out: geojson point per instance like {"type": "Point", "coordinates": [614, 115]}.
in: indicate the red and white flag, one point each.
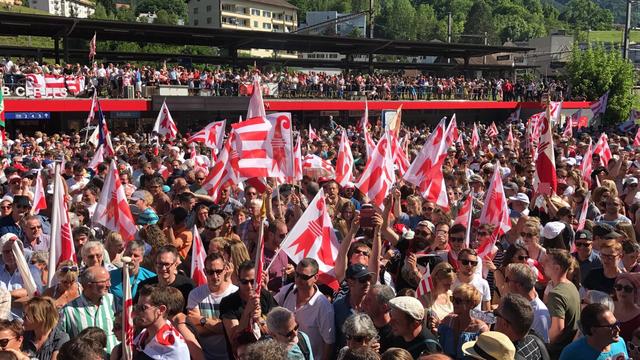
{"type": "Point", "coordinates": [400, 158]}
{"type": "Point", "coordinates": [316, 167]}
{"type": "Point", "coordinates": [344, 163]}
{"type": "Point", "coordinates": [127, 315]}
{"type": "Point", "coordinates": [545, 180]}
{"type": "Point", "coordinates": [297, 163]}
{"type": "Point", "coordinates": [256, 104]}
{"type": "Point", "coordinates": [510, 138]}
{"type": "Point", "coordinates": [313, 237]}
{"type": "Point", "coordinates": [363, 124]}
{"type": "Point", "coordinates": [568, 128]}
{"type": "Point", "coordinates": [475, 138]}
{"type": "Point", "coordinates": [425, 285]}
{"type": "Point", "coordinates": [555, 110]}
{"type": "Point", "coordinates": [426, 170]}
{"type": "Point", "coordinates": [113, 210]}
{"type": "Point", "coordinates": [39, 200]}
{"type": "Point", "coordinates": [492, 131]}
{"type": "Point", "coordinates": [465, 211]}
{"type": "Point", "coordinates": [369, 143]}
{"type": "Point", "coordinates": [61, 247]}
{"type": "Point", "coordinates": [197, 259]}
{"type": "Point", "coordinates": [164, 123]}
{"type": "Point", "coordinates": [586, 167]}
{"type": "Point", "coordinates": [378, 175]}
{"type": "Point", "coordinates": [312, 134]}
{"type": "Point", "coordinates": [92, 47]}
{"type": "Point", "coordinates": [602, 149]}
{"type": "Point", "coordinates": [600, 106]}
{"type": "Point", "coordinates": [250, 141]}
{"type": "Point", "coordinates": [280, 145]}
{"type": "Point", "coordinates": [94, 104]}
{"type": "Point", "coordinates": [223, 173]}
{"type": "Point", "coordinates": [452, 131]}
{"type": "Point", "coordinates": [495, 211]}
{"type": "Point", "coordinates": [583, 212]}
{"type": "Point", "coordinates": [636, 140]}
{"type": "Point", "coordinates": [211, 135]}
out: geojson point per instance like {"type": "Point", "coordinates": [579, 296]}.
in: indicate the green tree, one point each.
{"type": "Point", "coordinates": [586, 15]}
{"type": "Point", "coordinates": [397, 20]}
{"type": "Point", "coordinates": [163, 17]}
{"type": "Point", "coordinates": [427, 25]}
{"type": "Point", "coordinates": [177, 8]}
{"type": "Point", "coordinates": [100, 13]}
{"type": "Point", "coordinates": [594, 71]}
{"type": "Point", "coordinates": [480, 21]}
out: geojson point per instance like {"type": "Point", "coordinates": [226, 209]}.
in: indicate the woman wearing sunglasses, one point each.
{"type": "Point", "coordinates": [360, 332]}
{"type": "Point", "coordinates": [438, 301]}
{"type": "Point", "coordinates": [42, 336]}
{"type": "Point", "coordinates": [67, 288]}
{"type": "Point", "coordinates": [627, 303]}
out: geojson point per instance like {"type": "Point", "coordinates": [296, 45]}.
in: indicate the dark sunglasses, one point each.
{"type": "Point", "coordinates": [359, 338]}
{"type": "Point", "coordinates": [65, 269]}
{"type": "Point", "coordinates": [583, 244]}
{"type": "Point", "coordinates": [456, 238]}
{"type": "Point", "coordinates": [627, 288]}
{"type": "Point", "coordinates": [291, 333]}
{"type": "Point", "coordinates": [613, 326]}
{"type": "Point", "coordinates": [525, 234]}
{"type": "Point", "coordinates": [200, 179]}
{"type": "Point", "coordinates": [246, 281]}
{"type": "Point", "coordinates": [482, 233]}
{"type": "Point", "coordinates": [5, 342]}
{"type": "Point", "coordinates": [427, 209]}
{"type": "Point", "coordinates": [466, 262]}
{"type": "Point", "coordinates": [304, 276]}
{"type": "Point", "coordinates": [5, 207]}
{"type": "Point", "coordinates": [218, 272]}
{"type": "Point", "coordinates": [361, 252]}
{"type": "Point", "coordinates": [523, 257]}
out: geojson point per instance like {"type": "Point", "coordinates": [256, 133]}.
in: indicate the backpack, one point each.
{"type": "Point", "coordinates": [304, 347]}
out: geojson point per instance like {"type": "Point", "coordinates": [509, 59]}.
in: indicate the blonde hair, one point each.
{"type": "Point", "coordinates": [70, 276]}
{"type": "Point", "coordinates": [42, 311]}
{"type": "Point", "coordinates": [468, 293]}
{"type": "Point", "coordinates": [113, 237]}
{"type": "Point", "coordinates": [533, 223]}
{"type": "Point", "coordinates": [611, 186]}
{"type": "Point", "coordinates": [438, 273]}
{"type": "Point", "coordinates": [238, 254]}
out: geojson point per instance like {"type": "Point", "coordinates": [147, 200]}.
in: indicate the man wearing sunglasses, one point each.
{"type": "Point", "coordinates": [10, 223]}
{"type": "Point", "coordinates": [284, 329]}
{"type": "Point", "coordinates": [468, 261]}
{"type": "Point", "coordinates": [36, 239]}
{"type": "Point", "coordinates": [602, 336]}
{"type": "Point", "coordinates": [203, 306]}
{"type": "Point", "coordinates": [166, 263]}
{"type": "Point", "coordinates": [584, 254]}
{"type": "Point", "coordinates": [313, 311]}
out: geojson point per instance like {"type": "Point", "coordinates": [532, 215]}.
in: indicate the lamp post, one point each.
{"type": "Point", "coordinates": [627, 30]}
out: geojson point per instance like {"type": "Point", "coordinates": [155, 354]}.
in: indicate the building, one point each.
{"type": "Point", "coordinates": [68, 8]}
{"type": "Point", "coordinates": [333, 23]}
{"type": "Point", "coordinates": [551, 53]}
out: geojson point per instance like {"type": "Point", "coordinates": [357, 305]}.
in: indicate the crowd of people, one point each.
{"type": "Point", "coordinates": [546, 292]}
{"type": "Point", "coordinates": [114, 80]}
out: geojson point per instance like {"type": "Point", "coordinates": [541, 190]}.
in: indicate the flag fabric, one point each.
{"type": "Point", "coordinates": [312, 134]}
{"type": "Point", "coordinates": [104, 136]}
{"type": "Point", "coordinates": [555, 110]}
{"type": "Point", "coordinates": [475, 138]}
{"type": "Point", "coordinates": [2, 120]}
{"type": "Point", "coordinates": [369, 143]}
{"type": "Point", "coordinates": [602, 149]}
{"type": "Point", "coordinates": [492, 131]}
{"type": "Point", "coordinates": [223, 172]}
{"type": "Point", "coordinates": [636, 140]}
{"type": "Point", "coordinates": [578, 120]}
{"type": "Point", "coordinates": [280, 145]}
{"type": "Point", "coordinates": [259, 256]}
{"type": "Point", "coordinates": [378, 175]}
{"type": "Point", "coordinates": [297, 162]}
{"type": "Point", "coordinates": [92, 111]}
{"type": "Point", "coordinates": [465, 211]}
{"type": "Point", "coordinates": [256, 104]}
{"type": "Point", "coordinates": [568, 128]}
{"type": "Point", "coordinates": [75, 84]}
{"type": "Point", "coordinates": [452, 131]}
{"type": "Point", "coordinates": [211, 135]}
{"type": "Point", "coordinates": [583, 212]}
{"type": "Point", "coordinates": [250, 141]}
{"type": "Point", "coordinates": [313, 236]}
{"type": "Point", "coordinates": [545, 180]}
{"type": "Point", "coordinates": [113, 210]}
{"type": "Point", "coordinates": [400, 158]}
{"type": "Point", "coordinates": [495, 212]}
{"type": "Point", "coordinates": [28, 282]}
{"type": "Point", "coordinates": [344, 163]}
{"type": "Point", "coordinates": [587, 164]}
{"type": "Point", "coordinates": [426, 284]}
{"type": "Point", "coordinates": [164, 124]}
{"type": "Point", "coordinates": [316, 167]}
{"type": "Point", "coordinates": [61, 247]}
{"type": "Point", "coordinates": [510, 138]}
{"type": "Point", "coordinates": [600, 106]}
{"type": "Point", "coordinates": [514, 116]}
{"type": "Point", "coordinates": [363, 124]}
{"type": "Point", "coordinates": [395, 123]}
{"type": "Point", "coordinates": [39, 197]}
{"type": "Point", "coordinates": [92, 47]}
{"type": "Point", "coordinates": [127, 314]}
{"type": "Point", "coordinates": [197, 259]}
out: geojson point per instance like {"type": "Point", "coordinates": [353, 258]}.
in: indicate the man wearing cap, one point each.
{"type": "Point", "coordinates": [490, 345]}
{"type": "Point", "coordinates": [477, 186]}
{"type": "Point", "coordinates": [584, 254]}
{"type": "Point", "coordinates": [10, 277]}
{"type": "Point", "coordinates": [407, 315]}
{"type": "Point", "coordinates": [143, 200]}
{"type": "Point", "coordinates": [519, 205]}
{"type": "Point", "coordinates": [358, 278]}
{"type": "Point", "coordinates": [9, 224]}
{"type": "Point", "coordinates": [603, 232]}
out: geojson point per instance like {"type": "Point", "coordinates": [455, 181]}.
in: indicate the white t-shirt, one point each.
{"type": "Point", "coordinates": [541, 319]}
{"type": "Point", "coordinates": [480, 284]}
{"type": "Point", "coordinates": [214, 346]}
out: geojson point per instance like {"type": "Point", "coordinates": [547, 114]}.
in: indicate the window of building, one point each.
{"type": "Point", "coordinates": [255, 12]}
{"type": "Point", "coordinates": [195, 11]}
{"type": "Point", "coordinates": [255, 24]}
{"type": "Point", "coordinates": [266, 13]}
{"type": "Point", "coordinates": [208, 8]}
{"type": "Point", "coordinates": [208, 20]}
{"type": "Point", "coordinates": [266, 26]}
{"type": "Point", "coordinates": [195, 22]}
{"type": "Point", "coordinates": [288, 17]}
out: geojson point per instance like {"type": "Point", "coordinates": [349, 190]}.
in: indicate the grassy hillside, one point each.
{"type": "Point", "coordinates": [612, 36]}
{"type": "Point", "coordinates": [22, 10]}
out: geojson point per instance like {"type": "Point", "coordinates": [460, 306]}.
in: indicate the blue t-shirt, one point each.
{"type": "Point", "coordinates": [116, 283]}
{"type": "Point", "coordinates": [580, 349]}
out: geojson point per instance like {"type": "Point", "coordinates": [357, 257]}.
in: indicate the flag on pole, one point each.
{"type": "Point", "coordinates": [344, 164]}
{"type": "Point", "coordinates": [378, 175]}
{"type": "Point", "coordinates": [92, 47]}
{"type": "Point", "coordinates": [545, 180]}
{"type": "Point", "coordinates": [492, 131]}
{"type": "Point", "coordinates": [364, 120]}
{"type": "Point", "coordinates": [568, 128]}
{"type": "Point", "coordinates": [582, 220]}
{"type": "Point", "coordinates": [92, 111]}
{"type": "Point", "coordinates": [465, 216]}
{"type": "Point", "coordinates": [602, 149]}
{"type": "Point", "coordinates": [280, 145]}
{"type": "Point", "coordinates": [600, 106]}
{"type": "Point", "coordinates": [39, 200]}
{"type": "Point", "coordinates": [475, 138]}
{"type": "Point", "coordinates": [312, 134]}
{"type": "Point", "coordinates": [555, 110]}
{"type": "Point", "coordinates": [495, 211]}
{"type": "Point", "coordinates": [211, 135]}
{"type": "Point", "coordinates": [61, 247]}
{"type": "Point", "coordinates": [197, 259]}
{"type": "Point", "coordinates": [426, 284]}
{"type": "Point", "coordinates": [297, 162]}
{"type": "Point", "coordinates": [256, 104]}
{"type": "Point", "coordinates": [127, 311]}
{"type": "Point", "coordinates": [113, 210]}
{"type": "Point", "coordinates": [510, 138]}
{"type": "Point", "coordinates": [452, 131]}
{"type": "Point", "coordinates": [104, 136]}
{"type": "Point", "coordinates": [164, 124]}
{"type": "Point", "coordinates": [587, 164]}
{"type": "Point", "coordinates": [223, 172]}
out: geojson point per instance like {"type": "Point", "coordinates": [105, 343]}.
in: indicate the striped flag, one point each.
{"type": "Point", "coordinates": [39, 200]}
{"type": "Point", "coordinates": [492, 131]}
{"type": "Point", "coordinates": [568, 128]}
{"type": "Point", "coordinates": [378, 176]}
{"type": "Point", "coordinates": [344, 164]}
{"type": "Point", "coordinates": [312, 134]}
{"type": "Point", "coordinates": [475, 138]}
{"type": "Point", "coordinates": [250, 141]}
{"type": "Point", "coordinates": [223, 172]}
{"type": "Point", "coordinates": [587, 164]}
{"type": "Point", "coordinates": [603, 150]}
{"type": "Point", "coordinates": [197, 259]}
{"type": "Point", "coordinates": [426, 284]}
{"type": "Point", "coordinates": [600, 106]}
{"type": "Point", "coordinates": [495, 211]}
{"type": "Point", "coordinates": [314, 166]}
{"type": "Point", "coordinates": [61, 247]}
{"type": "Point", "coordinates": [92, 47]}
{"type": "Point", "coordinates": [211, 135]}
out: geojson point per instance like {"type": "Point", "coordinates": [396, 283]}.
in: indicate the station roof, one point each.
{"type": "Point", "coordinates": [13, 24]}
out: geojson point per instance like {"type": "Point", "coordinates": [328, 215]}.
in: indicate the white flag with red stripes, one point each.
{"type": "Point", "coordinates": [61, 247]}
{"type": "Point", "coordinates": [544, 180]}
{"type": "Point", "coordinates": [344, 163]}
{"type": "Point", "coordinates": [250, 141]}
{"type": "Point", "coordinates": [586, 167]}
{"type": "Point", "coordinates": [555, 110]}
{"type": "Point", "coordinates": [452, 131]}
{"type": "Point", "coordinates": [197, 259]}
{"type": "Point", "coordinates": [313, 236]}
{"type": "Point", "coordinates": [465, 217]}
{"type": "Point", "coordinates": [92, 47]}
{"type": "Point", "coordinates": [400, 158]}
{"type": "Point", "coordinates": [492, 131]}
{"type": "Point", "coordinates": [113, 210]}
{"type": "Point", "coordinates": [297, 162]}
{"type": "Point", "coordinates": [369, 143]}
{"type": "Point", "coordinates": [600, 106]}
{"type": "Point", "coordinates": [378, 175]}
{"type": "Point", "coordinates": [223, 172]}
{"type": "Point", "coordinates": [316, 167]}
{"type": "Point", "coordinates": [475, 138]}
{"type": "Point", "coordinates": [211, 135]}
{"type": "Point", "coordinates": [426, 284]}
{"type": "Point", "coordinates": [256, 104]}
{"type": "Point", "coordinates": [602, 149]}
{"type": "Point", "coordinates": [164, 124]}
{"type": "Point", "coordinates": [39, 200]}
{"type": "Point", "coordinates": [280, 145]}
{"type": "Point", "coordinates": [312, 134]}
{"type": "Point", "coordinates": [495, 212]}
{"type": "Point", "coordinates": [568, 128]}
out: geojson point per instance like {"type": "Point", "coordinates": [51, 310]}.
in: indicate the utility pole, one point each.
{"type": "Point", "coordinates": [370, 19]}
{"type": "Point", "coordinates": [449, 30]}
{"type": "Point", "coordinates": [627, 29]}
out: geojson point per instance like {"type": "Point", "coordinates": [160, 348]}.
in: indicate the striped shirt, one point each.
{"type": "Point", "coordinates": [80, 314]}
